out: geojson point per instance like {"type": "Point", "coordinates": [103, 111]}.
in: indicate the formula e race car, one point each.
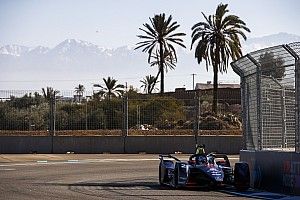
{"type": "Point", "coordinates": [201, 170]}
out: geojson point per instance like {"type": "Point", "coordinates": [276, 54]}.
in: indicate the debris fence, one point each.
{"type": "Point", "coordinates": [270, 97]}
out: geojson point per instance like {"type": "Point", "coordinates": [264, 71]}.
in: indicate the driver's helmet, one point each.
{"type": "Point", "coordinates": [200, 149]}
{"type": "Point", "coordinates": [202, 160]}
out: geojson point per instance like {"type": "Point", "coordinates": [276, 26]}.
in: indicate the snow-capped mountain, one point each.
{"type": "Point", "coordinates": [39, 50]}
{"type": "Point", "coordinates": [75, 61]}
{"type": "Point", "coordinates": [257, 43]}
{"type": "Point", "coordinates": [14, 50]}
{"type": "Point", "coordinates": [70, 59]}
{"type": "Point", "coordinates": [72, 46]}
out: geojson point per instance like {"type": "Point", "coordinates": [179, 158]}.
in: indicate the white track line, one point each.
{"type": "Point", "coordinates": [42, 161]}
{"type": "Point", "coordinates": [45, 162]}
{"type": "Point", "coordinates": [262, 195]}
{"type": "Point", "coordinates": [7, 169]}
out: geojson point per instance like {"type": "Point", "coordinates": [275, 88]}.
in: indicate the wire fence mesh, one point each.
{"type": "Point", "coordinates": [269, 94]}
{"type": "Point", "coordinates": [31, 113]}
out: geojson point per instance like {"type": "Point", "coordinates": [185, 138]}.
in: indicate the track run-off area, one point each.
{"type": "Point", "coordinates": [100, 176]}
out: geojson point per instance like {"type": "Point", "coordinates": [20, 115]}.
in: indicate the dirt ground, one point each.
{"type": "Point", "coordinates": [119, 132]}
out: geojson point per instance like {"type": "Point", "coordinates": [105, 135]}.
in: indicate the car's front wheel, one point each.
{"type": "Point", "coordinates": [160, 176]}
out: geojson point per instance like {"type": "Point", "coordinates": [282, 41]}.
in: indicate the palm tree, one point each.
{"type": "Point", "coordinates": [111, 88]}
{"type": "Point", "coordinates": [49, 93]}
{"type": "Point", "coordinates": [79, 91]}
{"type": "Point", "coordinates": [149, 84]}
{"type": "Point", "coordinates": [160, 37]}
{"type": "Point", "coordinates": [217, 41]}
{"type": "Point", "coordinates": [169, 60]}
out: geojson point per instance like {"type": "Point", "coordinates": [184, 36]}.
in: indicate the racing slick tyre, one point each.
{"type": "Point", "coordinates": [160, 178]}
{"type": "Point", "coordinates": [175, 178]}
{"type": "Point", "coordinates": [163, 172]}
{"type": "Point", "coordinates": [241, 176]}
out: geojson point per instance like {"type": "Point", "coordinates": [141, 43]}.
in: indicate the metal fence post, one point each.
{"type": "Point", "coordinates": [52, 115]}
{"type": "Point", "coordinates": [297, 98]}
{"type": "Point", "coordinates": [86, 114]}
{"type": "Point", "coordinates": [125, 121]}
{"type": "Point", "coordinates": [197, 105]}
{"type": "Point", "coordinates": [52, 120]}
{"type": "Point", "coordinates": [244, 104]}
{"type": "Point", "coordinates": [258, 106]}
{"type": "Point", "coordinates": [259, 111]}
{"type": "Point", "coordinates": [297, 93]}
{"type": "Point", "coordinates": [244, 114]}
{"type": "Point", "coordinates": [283, 113]}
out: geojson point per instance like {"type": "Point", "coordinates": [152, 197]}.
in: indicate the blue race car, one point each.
{"type": "Point", "coordinates": [203, 171]}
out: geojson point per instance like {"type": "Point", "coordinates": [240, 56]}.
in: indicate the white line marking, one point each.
{"type": "Point", "coordinates": [72, 161]}
{"type": "Point", "coordinates": [19, 164]}
{"type": "Point", "coordinates": [42, 161]}
{"type": "Point", "coordinates": [260, 195]}
{"type": "Point", "coordinates": [38, 163]}
{"type": "Point", "coordinates": [7, 169]}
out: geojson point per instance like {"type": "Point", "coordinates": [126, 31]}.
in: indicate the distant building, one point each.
{"type": "Point", "coordinates": [188, 96]}
{"type": "Point", "coordinates": [209, 85]}
{"type": "Point", "coordinates": [227, 93]}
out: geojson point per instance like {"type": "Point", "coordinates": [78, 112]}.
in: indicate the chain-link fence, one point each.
{"type": "Point", "coordinates": [269, 78]}
{"type": "Point", "coordinates": [71, 113]}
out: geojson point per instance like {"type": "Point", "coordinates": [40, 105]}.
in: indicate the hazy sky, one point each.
{"type": "Point", "coordinates": [114, 23]}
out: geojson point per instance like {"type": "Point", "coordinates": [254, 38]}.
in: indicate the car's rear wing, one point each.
{"type": "Point", "coordinates": [223, 156]}
{"type": "Point", "coordinates": [162, 156]}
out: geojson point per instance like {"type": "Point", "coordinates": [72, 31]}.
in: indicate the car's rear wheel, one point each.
{"type": "Point", "coordinates": [241, 176]}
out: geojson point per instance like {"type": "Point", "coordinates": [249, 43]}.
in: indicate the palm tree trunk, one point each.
{"type": "Point", "coordinates": [153, 85]}
{"type": "Point", "coordinates": [161, 68]}
{"type": "Point", "coordinates": [215, 91]}
{"type": "Point", "coordinates": [109, 95]}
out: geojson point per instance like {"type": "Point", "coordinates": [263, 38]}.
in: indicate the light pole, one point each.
{"type": "Point", "coordinates": [193, 80]}
{"type": "Point", "coordinates": [86, 113]}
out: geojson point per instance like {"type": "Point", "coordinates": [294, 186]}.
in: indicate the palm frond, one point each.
{"type": "Point", "coordinates": [160, 33]}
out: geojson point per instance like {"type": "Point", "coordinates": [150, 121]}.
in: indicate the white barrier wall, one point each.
{"type": "Point", "coordinates": [274, 171]}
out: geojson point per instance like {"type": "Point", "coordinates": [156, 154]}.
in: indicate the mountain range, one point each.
{"type": "Point", "coordinates": [74, 62]}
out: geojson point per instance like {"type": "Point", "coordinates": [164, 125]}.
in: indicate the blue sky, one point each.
{"type": "Point", "coordinates": [115, 23]}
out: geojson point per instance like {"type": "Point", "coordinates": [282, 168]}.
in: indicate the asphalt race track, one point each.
{"type": "Point", "coordinates": [101, 176]}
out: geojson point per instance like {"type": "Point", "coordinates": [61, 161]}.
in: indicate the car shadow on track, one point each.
{"type": "Point", "coordinates": [123, 184]}
{"type": "Point", "coordinates": [135, 188]}
{"type": "Point", "coordinates": [138, 190]}
{"type": "Point", "coordinates": [135, 184]}
{"type": "Point", "coordinates": [121, 188]}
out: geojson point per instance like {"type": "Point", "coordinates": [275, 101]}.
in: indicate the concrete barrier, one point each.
{"type": "Point", "coordinates": [185, 144]}
{"type": "Point", "coordinates": [25, 144]}
{"type": "Point", "coordinates": [117, 144]}
{"type": "Point", "coordinates": [89, 144]}
{"type": "Point", "coordinates": [274, 171]}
